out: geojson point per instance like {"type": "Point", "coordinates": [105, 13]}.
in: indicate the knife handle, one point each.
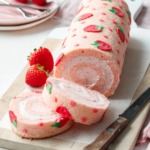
{"type": "Point", "coordinates": [108, 135]}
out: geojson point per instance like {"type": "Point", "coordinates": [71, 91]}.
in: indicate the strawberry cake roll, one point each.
{"type": "Point", "coordinates": [93, 52]}
{"type": "Point", "coordinates": [74, 101]}
{"type": "Point", "coordinates": [31, 118]}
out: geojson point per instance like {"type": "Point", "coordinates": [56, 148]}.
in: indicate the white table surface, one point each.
{"type": "Point", "coordinates": [15, 46]}
{"type": "Point", "coordinates": [14, 49]}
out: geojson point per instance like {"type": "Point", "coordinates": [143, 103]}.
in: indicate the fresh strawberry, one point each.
{"type": "Point", "coordinates": [102, 45]}
{"type": "Point", "coordinates": [85, 16]}
{"type": "Point", "coordinates": [120, 33]}
{"type": "Point", "coordinates": [36, 76]}
{"type": "Point", "coordinates": [43, 57]}
{"type": "Point", "coordinates": [39, 2]}
{"type": "Point", "coordinates": [117, 11]}
{"type": "Point", "coordinates": [13, 118]}
{"type": "Point", "coordinates": [22, 1]}
{"type": "Point", "coordinates": [93, 28]}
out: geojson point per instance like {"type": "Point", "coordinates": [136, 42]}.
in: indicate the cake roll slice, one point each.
{"type": "Point", "coordinates": [75, 101]}
{"type": "Point", "coordinates": [31, 118]}
{"type": "Point", "coordinates": [93, 52]}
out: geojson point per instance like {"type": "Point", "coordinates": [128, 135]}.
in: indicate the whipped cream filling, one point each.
{"type": "Point", "coordinates": [32, 108]}
{"type": "Point", "coordinates": [87, 72]}
{"type": "Point", "coordinates": [88, 75]}
{"type": "Point", "coordinates": [79, 93]}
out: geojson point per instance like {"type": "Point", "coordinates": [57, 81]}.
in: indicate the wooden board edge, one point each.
{"type": "Point", "coordinates": [54, 143]}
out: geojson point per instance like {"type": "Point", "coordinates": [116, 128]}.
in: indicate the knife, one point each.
{"type": "Point", "coordinates": [103, 141]}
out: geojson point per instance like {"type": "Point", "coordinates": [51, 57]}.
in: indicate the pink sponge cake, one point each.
{"type": "Point", "coordinates": [31, 118]}
{"type": "Point", "coordinates": [93, 52]}
{"type": "Point", "coordinates": [77, 102]}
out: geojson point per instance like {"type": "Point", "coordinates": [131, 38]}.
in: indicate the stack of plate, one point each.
{"type": "Point", "coordinates": [13, 19]}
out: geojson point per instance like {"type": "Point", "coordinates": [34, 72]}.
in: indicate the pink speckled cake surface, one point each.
{"type": "Point", "coordinates": [93, 51]}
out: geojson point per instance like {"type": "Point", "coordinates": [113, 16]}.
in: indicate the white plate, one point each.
{"type": "Point", "coordinates": [12, 16]}
{"type": "Point", "coordinates": [28, 25]}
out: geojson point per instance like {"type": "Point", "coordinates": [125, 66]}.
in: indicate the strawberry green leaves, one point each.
{"type": "Point", "coordinates": [60, 123]}
{"type": "Point", "coordinates": [113, 10]}
{"type": "Point", "coordinates": [128, 12]}
{"type": "Point", "coordinates": [56, 124]}
{"type": "Point", "coordinates": [120, 29]}
{"type": "Point", "coordinates": [129, 15]}
{"type": "Point", "coordinates": [120, 33]}
{"type": "Point", "coordinates": [101, 45]}
{"type": "Point", "coordinates": [49, 87]}
{"type": "Point", "coordinates": [117, 11]}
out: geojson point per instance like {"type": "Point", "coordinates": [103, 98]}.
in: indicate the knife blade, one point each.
{"type": "Point", "coordinates": [103, 141]}
{"type": "Point", "coordinates": [136, 106]}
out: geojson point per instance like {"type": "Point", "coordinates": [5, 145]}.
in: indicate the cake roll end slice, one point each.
{"type": "Point", "coordinates": [31, 118]}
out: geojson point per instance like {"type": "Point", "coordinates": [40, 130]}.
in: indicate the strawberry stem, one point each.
{"type": "Point", "coordinates": [40, 67]}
